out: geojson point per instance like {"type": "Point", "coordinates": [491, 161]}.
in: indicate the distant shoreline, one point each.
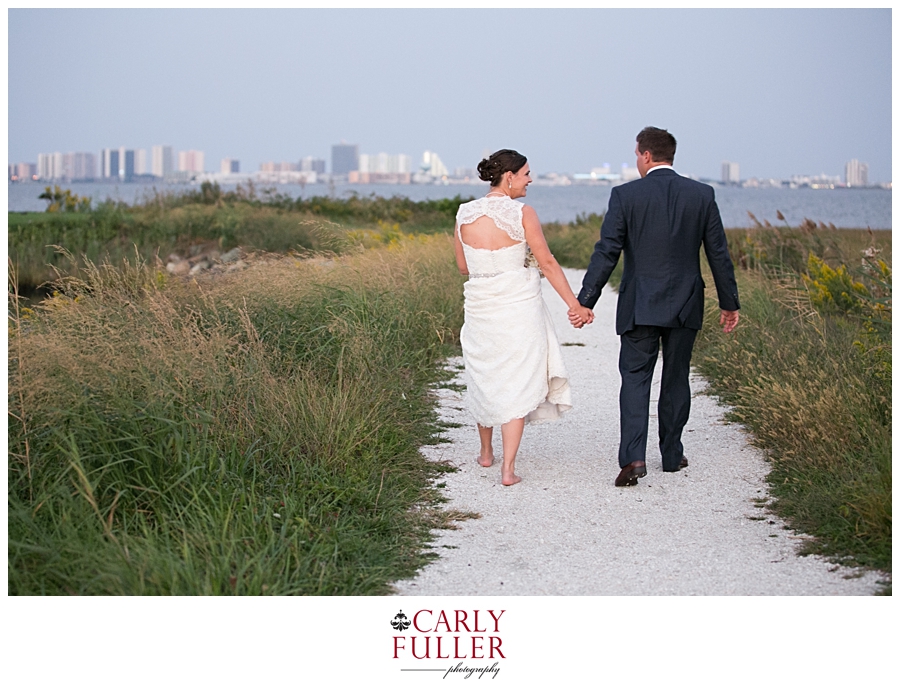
{"type": "Point", "coordinates": [861, 208]}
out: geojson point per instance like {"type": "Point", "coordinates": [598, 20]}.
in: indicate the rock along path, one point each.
{"type": "Point", "coordinates": [566, 530]}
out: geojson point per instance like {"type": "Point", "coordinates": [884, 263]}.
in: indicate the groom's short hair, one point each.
{"type": "Point", "coordinates": [659, 142]}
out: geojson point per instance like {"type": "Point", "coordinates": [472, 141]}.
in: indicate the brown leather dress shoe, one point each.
{"type": "Point", "coordinates": [630, 474]}
{"type": "Point", "coordinates": [683, 464]}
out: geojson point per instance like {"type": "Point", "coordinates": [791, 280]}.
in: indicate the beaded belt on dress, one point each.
{"type": "Point", "coordinates": [483, 275]}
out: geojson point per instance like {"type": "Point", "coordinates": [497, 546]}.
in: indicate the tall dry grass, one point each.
{"type": "Point", "coordinates": [254, 219]}
{"type": "Point", "coordinates": [255, 432]}
{"type": "Point", "coordinates": [808, 371]}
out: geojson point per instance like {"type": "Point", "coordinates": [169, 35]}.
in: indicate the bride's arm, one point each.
{"type": "Point", "coordinates": [534, 236]}
{"type": "Point", "coordinates": [460, 254]}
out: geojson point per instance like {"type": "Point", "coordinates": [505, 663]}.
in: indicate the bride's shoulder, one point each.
{"type": "Point", "coordinates": [470, 209]}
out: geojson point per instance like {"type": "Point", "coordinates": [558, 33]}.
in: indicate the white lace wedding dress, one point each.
{"type": "Point", "coordinates": [513, 361]}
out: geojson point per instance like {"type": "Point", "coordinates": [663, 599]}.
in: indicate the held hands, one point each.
{"type": "Point", "coordinates": [579, 316]}
{"type": "Point", "coordinates": [729, 320]}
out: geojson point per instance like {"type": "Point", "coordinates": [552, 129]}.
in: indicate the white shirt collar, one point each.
{"type": "Point", "coordinates": [661, 166]}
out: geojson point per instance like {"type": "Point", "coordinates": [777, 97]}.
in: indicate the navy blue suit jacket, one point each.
{"type": "Point", "coordinates": [660, 222]}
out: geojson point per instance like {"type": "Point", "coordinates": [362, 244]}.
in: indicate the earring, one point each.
{"type": "Point", "coordinates": [510, 185]}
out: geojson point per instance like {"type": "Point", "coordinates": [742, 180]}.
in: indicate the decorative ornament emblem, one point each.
{"type": "Point", "coordinates": [400, 622]}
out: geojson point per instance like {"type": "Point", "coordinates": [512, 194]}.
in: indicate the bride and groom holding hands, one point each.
{"type": "Point", "coordinates": [513, 362]}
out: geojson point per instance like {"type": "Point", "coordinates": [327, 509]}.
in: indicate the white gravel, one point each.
{"type": "Point", "coordinates": [566, 530]}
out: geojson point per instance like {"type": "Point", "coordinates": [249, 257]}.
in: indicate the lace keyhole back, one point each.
{"type": "Point", "coordinates": [483, 233]}
{"type": "Point", "coordinates": [506, 215]}
{"type": "Point", "coordinates": [503, 211]}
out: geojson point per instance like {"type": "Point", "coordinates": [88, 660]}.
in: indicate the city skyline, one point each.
{"type": "Point", "coordinates": [357, 167]}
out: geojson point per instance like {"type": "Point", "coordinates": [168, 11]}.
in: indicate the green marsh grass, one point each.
{"type": "Point", "coordinates": [252, 433]}
{"type": "Point", "coordinates": [163, 223]}
{"type": "Point", "coordinates": [808, 371]}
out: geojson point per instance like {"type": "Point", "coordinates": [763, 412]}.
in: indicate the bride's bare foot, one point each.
{"type": "Point", "coordinates": [486, 460]}
{"type": "Point", "coordinates": [508, 478]}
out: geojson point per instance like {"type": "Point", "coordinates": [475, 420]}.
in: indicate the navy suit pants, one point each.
{"type": "Point", "coordinates": [637, 359]}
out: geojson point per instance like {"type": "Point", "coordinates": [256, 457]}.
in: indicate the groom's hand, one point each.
{"type": "Point", "coordinates": [729, 320]}
{"type": "Point", "coordinates": [580, 315]}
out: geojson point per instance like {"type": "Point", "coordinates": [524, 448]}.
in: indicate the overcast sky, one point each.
{"type": "Point", "coordinates": [781, 92]}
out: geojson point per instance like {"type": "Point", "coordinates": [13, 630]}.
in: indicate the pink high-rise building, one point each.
{"type": "Point", "coordinates": [191, 161]}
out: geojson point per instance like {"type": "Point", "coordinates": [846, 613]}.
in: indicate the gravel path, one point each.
{"type": "Point", "coordinates": [566, 530]}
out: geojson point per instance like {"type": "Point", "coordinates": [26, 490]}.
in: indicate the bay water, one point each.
{"type": "Point", "coordinates": [844, 207]}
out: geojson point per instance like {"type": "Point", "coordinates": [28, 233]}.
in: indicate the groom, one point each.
{"type": "Point", "coordinates": [660, 222]}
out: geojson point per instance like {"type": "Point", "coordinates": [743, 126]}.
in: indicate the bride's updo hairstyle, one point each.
{"type": "Point", "coordinates": [493, 168]}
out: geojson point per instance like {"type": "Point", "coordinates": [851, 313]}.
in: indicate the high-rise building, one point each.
{"type": "Point", "coordinates": [68, 166]}
{"type": "Point", "coordinates": [344, 159]}
{"type": "Point", "coordinates": [45, 170]}
{"type": "Point", "coordinates": [109, 164]}
{"type": "Point", "coordinates": [382, 168]}
{"type": "Point", "coordinates": [385, 163]}
{"type": "Point", "coordinates": [126, 164]}
{"type": "Point", "coordinates": [90, 165]}
{"type": "Point", "coordinates": [190, 161]}
{"type": "Point", "coordinates": [79, 166]}
{"type": "Point", "coordinates": [59, 167]}
{"type": "Point", "coordinates": [398, 163]}
{"type": "Point", "coordinates": [433, 166]}
{"type": "Point", "coordinates": [856, 173]}
{"type": "Point", "coordinates": [402, 163]}
{"type": "Point", "coordinates": [140, 162]}
{"type": "Point", "coordinates": [161, 162]}
{"type": "Point", "coordinates": [277, 167]}
{"type": "Point", "coordinates": [48, 167]}
{"type": "Point", "coordinates": [731, 172]}
{"type": "Point", "coordinates": [312, 164]}
{"type": "Point", "coordinates": [230, 166]}
{"type": "Point", "coordinates": [23, 171]}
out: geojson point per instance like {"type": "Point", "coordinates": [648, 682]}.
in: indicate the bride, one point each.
{"type": "Point", "coordinates": [513, 363]}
